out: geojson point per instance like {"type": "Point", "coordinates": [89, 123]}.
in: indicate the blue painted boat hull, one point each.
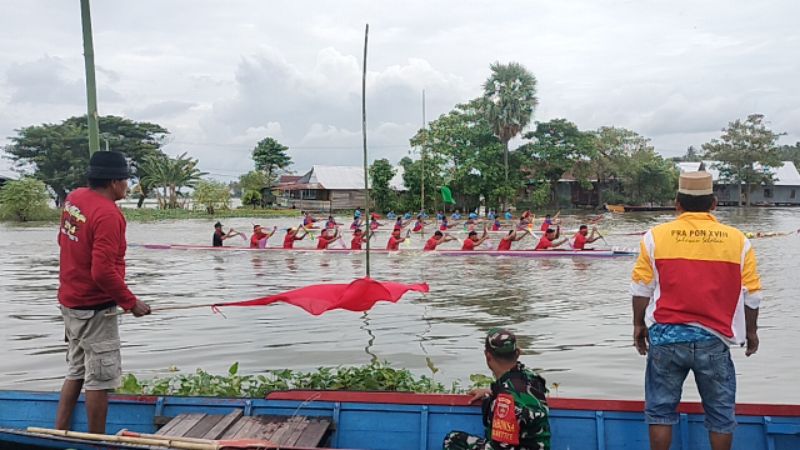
{"type": "Point", "coordinates": [409, 421]}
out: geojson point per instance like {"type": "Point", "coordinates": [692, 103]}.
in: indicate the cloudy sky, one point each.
{"type": "Point", "coordinates": [220, 75]}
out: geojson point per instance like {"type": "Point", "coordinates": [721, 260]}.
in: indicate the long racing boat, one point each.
{"type": "Point", "coordinates": [597, 253]}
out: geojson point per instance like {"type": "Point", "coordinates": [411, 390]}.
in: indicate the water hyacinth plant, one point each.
{"type": "Point", "coordinates": [376, 376]}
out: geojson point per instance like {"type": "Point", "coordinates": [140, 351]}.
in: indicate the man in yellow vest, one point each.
{"type": "Point", "coordinates": [696, 291]}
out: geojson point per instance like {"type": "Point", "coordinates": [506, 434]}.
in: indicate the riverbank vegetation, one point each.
{"type": "Point", "coordinates": [376, 376]}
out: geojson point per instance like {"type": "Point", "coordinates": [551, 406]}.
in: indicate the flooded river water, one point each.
{"type": "Point", "coordinates": [572, 315]}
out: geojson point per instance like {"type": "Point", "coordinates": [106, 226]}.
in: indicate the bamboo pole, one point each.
{"type": "Point", "coordinates": [364, 136]}
{"type": "Point", "coordinates": [91, 83]}
{"type": "Point", "coordinates": [210, 445]}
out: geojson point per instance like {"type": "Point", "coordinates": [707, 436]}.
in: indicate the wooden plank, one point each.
{"type": "Point", "coordinates": [249, 426]}
{"type": "Point", "coordinates": [184, 424]}
{"type": "Point", "coordinates": [234, 429]}
{"type": "Point", "coordinates": [204, 425]}
{"type": "Point", "coordinates": [167, 428]}
{"type": "Point", "coordinates": [223, 425]}
{"type": "Point", "coordinates": [295, 432]}
{"type": "Point", "coordinates": [314, 434]}
{"type": "Point", "coordinates": [283, 435]}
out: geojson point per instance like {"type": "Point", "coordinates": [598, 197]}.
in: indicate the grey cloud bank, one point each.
{"type": "Point", "coordinates": [221, 76]}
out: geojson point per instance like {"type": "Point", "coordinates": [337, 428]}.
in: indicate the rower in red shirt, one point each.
{"type": "Point", "coordinates": [419, 225]}
{"type": "Point", "coordinates": [496, 224]}
{"type": "Point", "coordinates": [444, 226]}
{"type": "Point", "coordinates": [291, 236]}
{"type": "Point", "coordinates": [437, 239]}
{"type": "Point", "coordinates": [582, 237]}
{"type": "Point", "coordinates": [549, 222]}
{"type": "Point", "coordinates": [325, 239]}
{"type": "Point", "coordinates": [512, 236]}
{"type": "Point", "coordinates": [395, 240]}
{"type": "Point", "coordinates": [473, 240]}
{"type": "Point", "coordinates": [359, 238]}
{"type": "Point", "coordinates": [259, 238]}
{"type": "Point", "coordinates": [550, 239]}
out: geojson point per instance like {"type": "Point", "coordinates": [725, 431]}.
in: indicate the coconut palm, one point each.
{"type": "Point", "coordinates": [509, 97]}
{"type": "Point", "coordinates": [166, 176]}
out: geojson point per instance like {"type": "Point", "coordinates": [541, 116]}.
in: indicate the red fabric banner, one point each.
{"type": "Point", "coordinates": [359, 295]}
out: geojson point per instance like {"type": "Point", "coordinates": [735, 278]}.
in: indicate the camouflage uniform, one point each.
{"type": "Point", "coordinates": [528, 391]}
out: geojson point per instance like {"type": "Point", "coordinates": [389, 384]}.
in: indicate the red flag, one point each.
{"type": "Point", "coordinates": [360, 295]}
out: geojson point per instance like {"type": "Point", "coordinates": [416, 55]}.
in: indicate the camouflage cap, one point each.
{"type": "Point", "coordinates": [501, 341]}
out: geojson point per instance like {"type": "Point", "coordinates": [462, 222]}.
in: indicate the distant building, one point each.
{"type": "Point", "coordinates": [329, 188]}
{"type": "Point", "coordinates": [784, 191]}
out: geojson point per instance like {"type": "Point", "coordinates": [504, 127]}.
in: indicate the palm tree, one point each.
{"type": "Point", "coordinates": [169, 175]}
{"type": "Point", "coordinates": [509, 97]}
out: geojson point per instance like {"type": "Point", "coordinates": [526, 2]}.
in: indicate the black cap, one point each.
{"type": "Point", "coordinates": [551, 230]}
{"type": "Point", "coordinates": [217, 225]}
{"type": "Point", "coordinates": [108, 166]}
{"type": "Point", "coordinates": [438, 233]}
{"type": "Point", "coordinates": [473, 233]}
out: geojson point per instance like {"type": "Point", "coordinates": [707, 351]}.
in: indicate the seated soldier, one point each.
{"type": "Point", "coordinates": [515, 412]}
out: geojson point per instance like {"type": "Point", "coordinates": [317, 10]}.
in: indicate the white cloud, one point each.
{"type": "Point", "coordinates": [223, 76]}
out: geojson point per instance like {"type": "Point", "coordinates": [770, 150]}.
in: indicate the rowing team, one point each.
{"type": "Point", "coordinates": [550, 240]}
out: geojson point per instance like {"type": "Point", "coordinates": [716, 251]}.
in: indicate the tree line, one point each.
{"type": "Point", "coordinates": [468, 150]}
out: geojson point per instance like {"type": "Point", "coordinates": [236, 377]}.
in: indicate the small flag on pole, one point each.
{"type": "Point", "coordinates": [447, 196]}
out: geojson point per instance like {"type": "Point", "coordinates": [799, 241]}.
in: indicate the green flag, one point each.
{"type": "Point", "coordinates": [447, 196]}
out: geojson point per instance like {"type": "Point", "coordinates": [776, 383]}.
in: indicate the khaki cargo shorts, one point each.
{"type": "Point", "coordinates": [93, 348]}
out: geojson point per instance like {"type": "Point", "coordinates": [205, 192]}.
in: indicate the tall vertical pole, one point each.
{"type": "Point", "coordinates": [422, 158]}
{"type": "Point", "coordinates": [364, 135]}
{"type": "Point", "coordinates": [91, 84]}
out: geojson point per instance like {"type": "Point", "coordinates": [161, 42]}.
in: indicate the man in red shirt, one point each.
{"type": "Point", "coordinates": [395, 240]}
{"type": "Point", "coordinates": [325, 239]}
{"type": "Point", "coordinates": [291, 236]}
{"type": "Point", "coordinates": [359, 238]}
{"type": "Point", "coordinates": [550, 239]}
{"type": "Point", "coordinates": [582, 238]}
{"type": "Point", "coordinates": [91, 287]}
{"type": "Point", "coordinates": [437, 239]}
{"type": "Point", "coordinates": [259, 238]}
{"type": "Point", "coordinates": [473, 240]}
{"type": "Point", "coordinates": [512, 236]}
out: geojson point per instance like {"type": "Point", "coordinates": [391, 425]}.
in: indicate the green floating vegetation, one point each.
{"type": "Point", "coordinates": [376, 376]}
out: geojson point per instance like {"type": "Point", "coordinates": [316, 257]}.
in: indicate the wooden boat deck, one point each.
{"type": "Point", "coordinates": [286, 431]}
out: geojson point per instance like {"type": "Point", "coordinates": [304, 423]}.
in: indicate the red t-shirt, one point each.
{"type": "Point", "coordinates": [355, 244]}
{"type": "Point", "coordinates": [505, 244]}
{"type": "Point", "coordinates": [394, 243]}
{"type": "Point", "coordinates": [468, 245]}
{"type": "Point", "coordinates": [443, 227]}
{"type": "Point", "coordinates": [92, 241]}
{"type": "Point", "coordinates": [431, 244]}
{"type": "Point", "coordinates": [323, 242]}
{"type": "Point", "coordinates": [580, 241]}
{"type": "Point", "coordinates": [544, 244]}
{"type": "Point", "coordinates": [255, 238]}
{"type": "Point", "coordinates": [288, 240]}
{"type": "Point", "coordinates": [545, 226]}
{"type": "Point", "coordinates": [417, 226]}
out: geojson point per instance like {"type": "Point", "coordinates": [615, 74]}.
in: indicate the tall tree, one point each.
{"type": "Point", "coordinates": [381, 173]}
{"type": "Point", "coordinates": [462, 144]}
{"type": "Point", "coordinates": [170, 175]}
{"type": "Point", "coordinates": [253, 181]}
{"type": "Point", "coordinates": [647, 177]}
{"type": "Point", "coordinates": [509, 101]}
{"type": "Point", "coordinates": [746, 151]}
{"type": "Point", "coordinates": [58, 153]}
{"type": "Point", "coordinates": [557, 147]}
{"type": "Point", "coordinates": [790, 153]}
{"type": "Point", "coordinates": [614, 148]}
{"type": "Point", "coordinates": [270, 157]}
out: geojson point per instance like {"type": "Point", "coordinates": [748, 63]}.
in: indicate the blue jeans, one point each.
{"type": "Point", "coordinates": [714, 374]}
